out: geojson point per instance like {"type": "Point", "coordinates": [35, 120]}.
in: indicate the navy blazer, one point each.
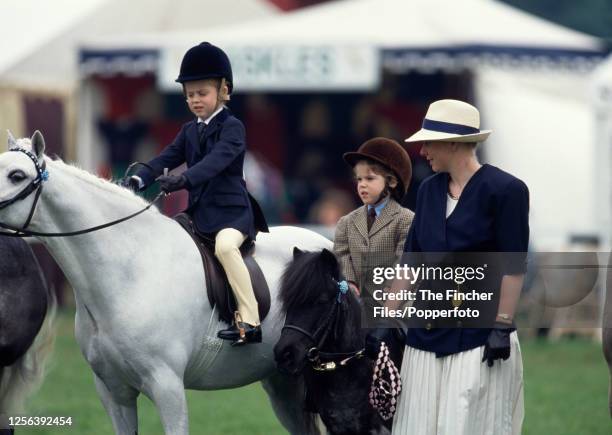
{"type": "Point", "coordinates": [218, 197]}
{"type": "Point", "coordinates": [492, 215]}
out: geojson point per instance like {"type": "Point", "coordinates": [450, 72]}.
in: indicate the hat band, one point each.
{"type": "Point", "coordinates": [448, 127]}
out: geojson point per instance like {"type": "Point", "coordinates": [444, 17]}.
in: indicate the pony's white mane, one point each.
{"type": "Point", "coordinates": [87, 177]}
{"type": "Point", "coordinates": [96, 181]}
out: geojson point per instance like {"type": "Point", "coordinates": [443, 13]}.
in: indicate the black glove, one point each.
{"type": "Point", "coordinates": [131, 183]}
{"type": "Point", "coordinates": [172, 183]}
{"type": "Point", "coordinates": [373, 340]}
{"type": "Point", "coordinates": [393, 336]}
{"type": "Point", "coordinates": [498, 344]}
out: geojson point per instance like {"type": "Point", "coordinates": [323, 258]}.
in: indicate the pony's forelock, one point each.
{"type": "Point", "coordinates": [306, 277]}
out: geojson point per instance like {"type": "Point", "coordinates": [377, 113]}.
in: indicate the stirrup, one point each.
{"type": "Point", "coordinates": [238, 321]}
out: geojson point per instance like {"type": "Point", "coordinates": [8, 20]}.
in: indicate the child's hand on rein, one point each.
{"type": "Point", "coordinates": [172, 183]}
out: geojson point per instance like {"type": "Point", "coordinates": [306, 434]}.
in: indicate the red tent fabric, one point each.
{"type": "Point", "coordinates": [289, 5]}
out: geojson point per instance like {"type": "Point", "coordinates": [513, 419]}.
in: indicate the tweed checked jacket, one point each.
{"type": "Point", "coordinates": [354, 245]}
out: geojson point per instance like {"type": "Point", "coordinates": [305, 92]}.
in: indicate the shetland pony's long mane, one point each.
{"type": "Point", "coordinates": [305, 278]}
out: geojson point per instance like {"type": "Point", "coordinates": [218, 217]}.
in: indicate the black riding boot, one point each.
{"type": "Point", "coordinates": [241, 333]}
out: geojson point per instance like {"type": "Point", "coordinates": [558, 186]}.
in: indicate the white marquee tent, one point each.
{"type": "Point", "coordinates": [602, 99]}
{"type": "Point", "coordinates": [26, 25]}
{"type": "Point", "coordinates": [53, 62]}
{"type": "Point", "coordinates": [530, 78]}
{"type": "Point", "coordinates": [42, 39]}
{"type": "Point", "coordinates": [411, 34]}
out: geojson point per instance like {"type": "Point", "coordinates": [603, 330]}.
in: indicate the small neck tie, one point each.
{"type": "Point", "coordinates": [201, 131]}
{"type": "Point", "coordinates": [371, 217]}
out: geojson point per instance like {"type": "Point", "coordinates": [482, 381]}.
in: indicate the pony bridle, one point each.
{"type": "Point", "coordinates": [35, 185]}
{"type": "Point", "coordinates": [319, 336]}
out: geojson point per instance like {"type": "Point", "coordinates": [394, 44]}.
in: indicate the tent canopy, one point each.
{"type": "Point", "coordinates": [119, 19]}
{"type": "Point", "coordinates": [23, 31]}
{"type": "Point", "coordinates": [601, 93]}
{"type": "Point", "coordinates": [395, 24]}
{"type": "Point", "coordinates": [338, 45]}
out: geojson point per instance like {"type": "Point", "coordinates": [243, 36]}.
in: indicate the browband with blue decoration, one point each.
{"type": "Point", "coordinates": [343, 289]}
{"type": "Point", "coordinates": [448, 127]}
{"type": "Point", "coordinates": [43, 174]}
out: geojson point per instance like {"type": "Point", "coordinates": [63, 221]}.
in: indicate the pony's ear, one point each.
{"type": "Point", "coordinates": [12, 142]}
{"type": "Point", "coordinates": [328, 256]}
{"type": "Point", "coordinates": [38, 144]}
{"type": "Point", "coordinates": [297, 252]}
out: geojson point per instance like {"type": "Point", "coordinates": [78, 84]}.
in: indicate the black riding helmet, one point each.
{"type": "Point", "coordinates": [206, 61]}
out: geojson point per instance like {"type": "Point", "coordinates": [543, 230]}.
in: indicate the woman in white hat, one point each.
{"type": "Point", "coordinates": [460, 380]}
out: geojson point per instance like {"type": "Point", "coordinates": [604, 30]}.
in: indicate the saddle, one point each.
{"type": "Point", "coordinates": [220, 293]}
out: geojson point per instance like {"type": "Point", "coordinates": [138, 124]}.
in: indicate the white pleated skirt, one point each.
{"type": "Point", "coordinates": [460, 395]}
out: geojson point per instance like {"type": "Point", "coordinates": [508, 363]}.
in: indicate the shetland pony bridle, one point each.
{"type": "Point", "coordinates": [36, 185]}
{"type": "Point", "coordinates": [327, 361]}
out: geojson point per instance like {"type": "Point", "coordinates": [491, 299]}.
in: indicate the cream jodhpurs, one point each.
{"type": "Point", "coordinates": [227, 250]}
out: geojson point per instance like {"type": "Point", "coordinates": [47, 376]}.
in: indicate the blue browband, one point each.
{"type": "Point", "coordinates": [43, 174]}
{"type": "Point", "coordinates": [448, 127]}
{"type": "Point", "coordinates": [343, 288]}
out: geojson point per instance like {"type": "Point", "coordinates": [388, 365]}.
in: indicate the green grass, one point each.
{"type": "Point", "coordinates": [69, 390]}
{"type": "Point", "coordinates": [566, 388]}
{"type": "Point", "coordinates": [565, 393]}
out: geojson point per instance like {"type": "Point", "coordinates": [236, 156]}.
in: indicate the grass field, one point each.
{"type": "Point", "coordinates": [565, 393]}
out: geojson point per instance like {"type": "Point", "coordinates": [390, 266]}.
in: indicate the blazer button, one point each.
{"type": "Point", "coordinates": [428, 326]}
{"type": "Point", "coordinates": [459, 324]}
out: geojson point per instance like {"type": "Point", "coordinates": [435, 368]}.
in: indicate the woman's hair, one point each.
{"type": "Point", "coordinates": [470, 145]}
{"type": "Point", "coordinates": [389, 176]}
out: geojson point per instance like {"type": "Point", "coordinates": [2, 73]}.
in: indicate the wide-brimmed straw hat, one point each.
{"type": "Point", "coordinates": [388, 153]}
{"type": "Point", "coordinates": [450, 121]}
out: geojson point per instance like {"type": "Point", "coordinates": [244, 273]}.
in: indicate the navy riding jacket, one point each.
{"type": "Point", "coordinates": [492, 215]}
{"type": "Point", "coordinates": [218, 197]}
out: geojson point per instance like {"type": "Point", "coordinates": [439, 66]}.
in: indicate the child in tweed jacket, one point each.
{"type": "Point", "coordinates": [376, 231]}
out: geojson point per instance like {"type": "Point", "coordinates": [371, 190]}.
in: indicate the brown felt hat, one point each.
{"type": "Point", "coordinates": [388, 153]}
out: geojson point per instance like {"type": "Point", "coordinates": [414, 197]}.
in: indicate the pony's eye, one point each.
{"type": "Point", "coordinates": [17, 176]}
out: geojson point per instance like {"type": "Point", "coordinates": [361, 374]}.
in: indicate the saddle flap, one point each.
{"type": "Point", "coordinates": [218, 289]}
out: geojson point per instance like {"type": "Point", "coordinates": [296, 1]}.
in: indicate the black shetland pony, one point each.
{"type": "Point", "coordinates": [25, 340]}
{"type": "Point", "coordinates": [321, 340]}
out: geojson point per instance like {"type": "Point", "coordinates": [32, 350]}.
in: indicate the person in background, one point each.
{"type": "Point", "coordinates": [382, 172]}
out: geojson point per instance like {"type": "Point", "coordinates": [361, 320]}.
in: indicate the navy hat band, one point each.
{"type": "Point", "coordinates": [448, 127]}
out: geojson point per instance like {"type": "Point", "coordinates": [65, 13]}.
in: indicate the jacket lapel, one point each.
{"type": "Point", "coordinates": [192, 137]}
{"type": "Point", "coordinates": [386, 216]}
{"type": "Point", "coordinates": [215, 124]}
{"type": "Point", "coordinates": [361, 223]}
